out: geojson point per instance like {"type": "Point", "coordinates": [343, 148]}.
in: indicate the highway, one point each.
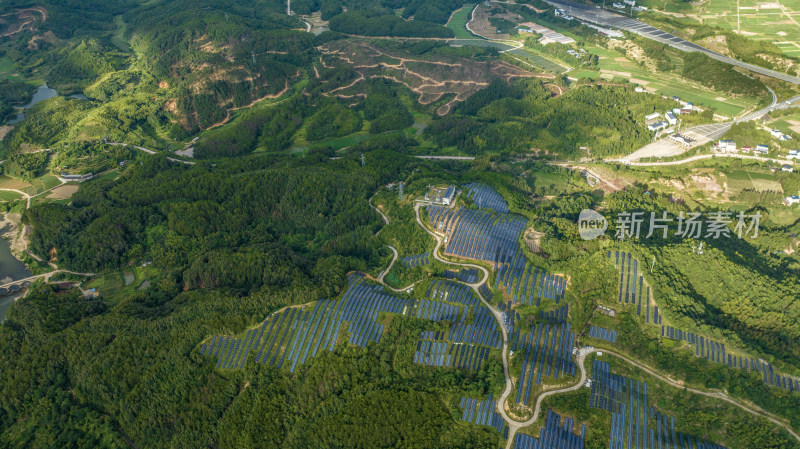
{"type": "Point", "coordinates": [609, 19]}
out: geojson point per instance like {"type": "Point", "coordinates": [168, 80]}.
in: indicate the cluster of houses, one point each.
{"type": "Point", "coordinates": [658, 121]}
{"type": "Point", "coordinates": [729, 146]}
{"type": "Point", "coordinates": [793, 154]}
{"type": "Point", "coordinates": [776, 133]}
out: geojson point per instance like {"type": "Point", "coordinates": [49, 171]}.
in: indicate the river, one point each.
{"type": "Point", "coordinates": [10, 269]}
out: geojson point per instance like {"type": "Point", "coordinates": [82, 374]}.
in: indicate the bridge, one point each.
{"type": "Point", "coordinates": [19, 284]}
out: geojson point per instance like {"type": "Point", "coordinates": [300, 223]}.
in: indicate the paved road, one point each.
{"type": "Point", "coordinates": [612, 20]}
{"type": "Point", "coordinates": [46, 277]}
{"type": "Point", "coordinates": [512, 429]}
{"type": "Point", "coordinates": [709, 156]}
{"type": "Point", "coordinates": [148, 151]}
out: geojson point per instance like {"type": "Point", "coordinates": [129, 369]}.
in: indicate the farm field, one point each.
{"type": "Point", "coordinates": [8, 196]}
{"type": "Point", "coordinates": [769, 21]}
{"type": "Point", "coordinates": [743, 180]}
{"type": "Point", "coordinates": [539, 60]}
{"type": "Point", "coordinates": [44, 183]}
{"type": "Point", "coordinates": [458, 22]}
{"type": "Point", "coordinates": [787, 124]}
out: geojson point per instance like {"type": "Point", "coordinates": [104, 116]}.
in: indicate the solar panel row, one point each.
{"type": "Point", "coordinates": [478, 234]}
{"type": "Point", "coordinates": [295, 334]}
{"type": "Point", "coordinates": [551, 347]}
{"type": "Point", "coordinates": [715, 352]}
{"type": "Point", "coordinates": [524, 282]}
{"type": "Point", "coordinates": [485, 197]}
{"type": "Point", "coordinates": [603, 334]}
{"type": "Point", "coordinates": [481, 412]}
{"type": "Point", "coordinates": [631, 282]}
{"type": "Point", "coordinates": [450, 291]}
{"type": "Point", "coordinates": [626, 399]}
{"type": "Point", "coordinates": [553, 435]}
{"type": "Point", "coordinates": [556, 316]}
{"type": "Point", "coordinates": [415, 261]}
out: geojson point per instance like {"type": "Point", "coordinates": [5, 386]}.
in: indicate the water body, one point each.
{"type": "Point", "coordinates": [79, 96]}
{"type": "Point", "coordinates": [11, 269]}
{"type": "Point", "coordinates": [41, 94]}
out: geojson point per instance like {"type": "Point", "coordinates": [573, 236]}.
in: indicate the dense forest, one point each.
{"type": "Point", "coordinates": [526, 116]}
{"type": "Point", "coordinates": [718, 75]}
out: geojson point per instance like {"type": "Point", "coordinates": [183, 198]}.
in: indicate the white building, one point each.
{"type": "Point", "coordinates": [671, 118]}
{"type": "Point", "coordinates": [726, 146]}
{"type": "Point", "coordinates": [763, 149]}
{"type": "Point", "coordinates": [776, 133]}
{"type": "Point", "coordinates": [629, 2]}
{"type": "Point", "coordinates": [787, 168]}
{"type": "Point", "coordinates": [789, 200]}
{"type": "Point", "coordinates": [657, 126]}
{"type": "Point", "coordinates": [618, 5]}
{"type": "Point", "coordinates": [449, 195]}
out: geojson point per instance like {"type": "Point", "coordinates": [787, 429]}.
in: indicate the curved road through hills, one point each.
{"type": "Point", "coordinates": [514, 425]}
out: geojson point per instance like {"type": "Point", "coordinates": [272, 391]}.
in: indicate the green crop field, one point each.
{"type": "Point", "coordinates": [538, 60]}
{"type": "Point", "coordinates": [745, 180]}
{"type": "Point", "coordinates": [5, 195]}
{"type": "Point", "coordinates": [458, 22]}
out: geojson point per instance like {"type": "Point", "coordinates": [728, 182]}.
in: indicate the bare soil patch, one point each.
{"type": "Point", "coordinates": [63, 192]}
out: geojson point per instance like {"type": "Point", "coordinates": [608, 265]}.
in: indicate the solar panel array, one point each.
{"type": "Point", "coordinates": [415, 261]}
{"type": "Point", "coordinates": [524, 282]}
{"type": "Point", "coordinates": [631, 283]}
{"type": "Point", "coordinates": [292, 336]}
{"type": "Point", "coordinates": [446, 290]}
{"type": "Point", "coordinates": [631, 417]}
{"type": "Point", "coordinates": [486, 197]}
{"type": "Point", "coordinates": [487, 294]}
{"type": "Point", "coordinates": [553, 435]}
{"type": "Point", "coordinates": [467, 275]}
{"type": "Point", "coordinates": [558, 315]}
{"type": "Point", "coordinates": [715, 352]}
{"type": "Point", "coordinates": [478, 234]}
{"type": "Point", "coordinates": [494, 238]}
{"type": "Point", "coordinates": [547, 351]}
{"type": "Point", "coordinates": [463, 345]}
{"type": "Point", "coordinates": [604, 334]}
{"type": "Point", "coordinates": [482, 412]}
